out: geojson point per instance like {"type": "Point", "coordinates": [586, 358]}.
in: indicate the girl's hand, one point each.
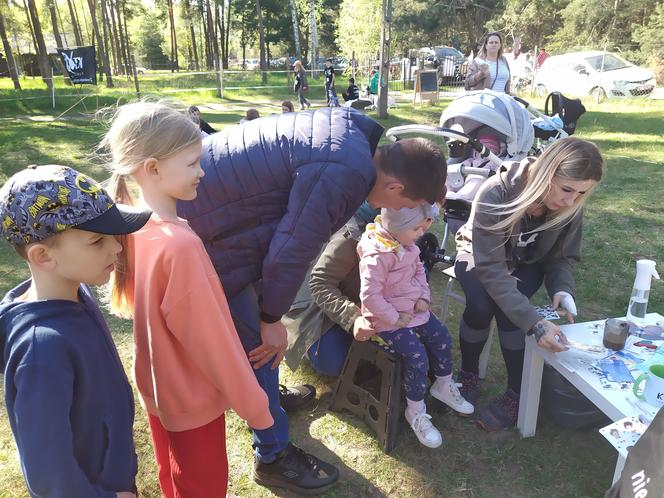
{"type": "Point", "coordinates": [421, 305]}
{"type": "Point", "coordinates": [362, 329]}
{"type": "Point", "coordinates": [549, 336]}
{"type": "Point", "coordinates": [404, 320]}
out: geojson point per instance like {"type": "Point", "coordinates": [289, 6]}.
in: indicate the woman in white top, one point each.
{"type": "Point", "coordinates": [489, 70]}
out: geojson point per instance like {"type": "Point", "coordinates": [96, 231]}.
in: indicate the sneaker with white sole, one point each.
{"type": "Point", "coordinates": [425, 431]}
{"type": "Point", "coordinates": [448, 393]}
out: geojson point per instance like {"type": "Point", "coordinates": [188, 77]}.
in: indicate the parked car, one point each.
{"type": "Point", "coordinates": [448, 61]}
{"type": "Point", "coordinates": [252, 64]}
{"type": "Point", "coordinates": [597, 73]}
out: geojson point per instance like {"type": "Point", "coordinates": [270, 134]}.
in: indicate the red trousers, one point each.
{"type": "Point", "coordinates": [193, 463]}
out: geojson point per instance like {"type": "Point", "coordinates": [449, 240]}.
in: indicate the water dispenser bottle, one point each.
{"type": "Point", "coordinates": [638, 303]}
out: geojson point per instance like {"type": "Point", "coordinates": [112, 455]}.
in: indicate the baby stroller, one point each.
{"type": "Point", "coordinates": [481, 130]}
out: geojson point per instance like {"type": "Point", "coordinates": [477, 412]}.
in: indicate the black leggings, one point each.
{"type": "Point", "coordinates": [481, 308]}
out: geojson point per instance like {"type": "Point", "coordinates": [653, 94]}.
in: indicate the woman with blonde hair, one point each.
{"type": "Point", "coordinates": [524, 229]}
{"type": "Point", "coordinates": [489, 70]}
{"type": "Point", "coordinates": [301, 86]}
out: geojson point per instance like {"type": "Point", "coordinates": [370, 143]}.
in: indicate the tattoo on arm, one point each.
{"type": "Point", "coordinates": [539, 330]}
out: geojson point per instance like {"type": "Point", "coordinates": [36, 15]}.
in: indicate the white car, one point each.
{"type": "Point", "coordinates": [596, 73]}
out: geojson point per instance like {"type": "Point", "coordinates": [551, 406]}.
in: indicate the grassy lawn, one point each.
{"type": "Point", "coordinates": [625, 221]}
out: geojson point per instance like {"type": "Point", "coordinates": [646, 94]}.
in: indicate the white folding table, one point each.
{"type": "Point", "coordinates": [614, 404]}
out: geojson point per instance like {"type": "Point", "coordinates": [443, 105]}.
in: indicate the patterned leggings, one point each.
{"type": "Point", "coordinates": [410, 345]}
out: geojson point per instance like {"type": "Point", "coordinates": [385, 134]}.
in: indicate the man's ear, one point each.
{"type": "Point", "coordinates": [151, 166]}
{"type": "Point", "coordinates": [40, 255]}
{"type": "Point", "coordinates": [394, 187]}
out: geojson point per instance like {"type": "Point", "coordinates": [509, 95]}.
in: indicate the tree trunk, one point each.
{"type": "Point", "coordinates": [189, 16]}
{"type": "Point", "coordinates": [174, 39]}
{"type": "Point", "coordinates": [103, 55]}
{"type": "Point", "coordinates": [211, 36]}
{"type": "Point", "coordinates": [106, 26]}
{"type": "Point", "coordinates": [384, 59]}
{"type": "Point", "coordinates": [124, 42]}
{"type": "Point", "coordinates": [221, 23]}
{"type": "Point", "coordinates": [314, 39]}
{"type": "Point", "coordinates": [296, 30]}
{"type": "Point", "coordinates": [28, 15]}
{"type": "Point", "coordinates": [131, 63]}
{"type": "Point", "coordinates": [42, 54]}
{"type": "Point", "coordinates": [215, 44]}
{"type": "Point", "coordinates": [85, 22]}
{"type": "Point", "coordinates": [228, 30]}
{"type": "Point", "coordinates": [261, 36]}
{"type": "Point", "coordinates": [64, 34]}
{"type": "Point", "coordinates": [8, 54]}
{"type": "Point", "coordinates": [117, 51]}
{"type": "Point", "coordinates": [54, 23]}
{"type": "Point", "coordinates": [74, 24]}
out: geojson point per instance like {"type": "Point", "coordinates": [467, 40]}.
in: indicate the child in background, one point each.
{"type": "Point", "coordinates": [190, 366]}
{"type": "Point", "coordinates": [69, 403]}
{"type": "Point", "coordinates": [352, 92]}
{"type": "Point", "coordinates": [395, 300]}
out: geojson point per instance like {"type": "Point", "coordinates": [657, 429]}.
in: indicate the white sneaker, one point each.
{"type": "Point", "coordinates": [424, 430]}
{"type": "Point", "coordinates": [448, 393]}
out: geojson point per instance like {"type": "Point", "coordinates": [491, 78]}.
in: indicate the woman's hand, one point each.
{"type": "Point", "coordinates": [421, 305]}
{"type": "Point", "coordinates": [549, 336]}
{"type": "Point", "coordinates": [565, 301]}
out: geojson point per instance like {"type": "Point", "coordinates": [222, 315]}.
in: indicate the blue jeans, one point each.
{"type": "Point", "coordinates": [410, 345]}
{"type": "Point", "coordinates": [328, 354]}
{"type": "Point", "coordinates": [245, 311]}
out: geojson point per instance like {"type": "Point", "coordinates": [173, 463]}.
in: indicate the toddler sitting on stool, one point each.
{"type": "Point", "coordinates": [395, 301]}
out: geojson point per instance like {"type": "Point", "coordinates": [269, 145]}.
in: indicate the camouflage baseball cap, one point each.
{"type": "Point", "coordinates": [41, 201]}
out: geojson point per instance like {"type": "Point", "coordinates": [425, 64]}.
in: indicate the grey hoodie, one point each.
{"type": "Point", "coordinates": [493, 254]}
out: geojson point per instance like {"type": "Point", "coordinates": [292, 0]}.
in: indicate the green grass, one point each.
{"type": "Point", "coordinates": [624, 221]}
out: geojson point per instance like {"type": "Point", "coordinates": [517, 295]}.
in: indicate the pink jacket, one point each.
{"type": "Point", "coordinates": [392, 279]}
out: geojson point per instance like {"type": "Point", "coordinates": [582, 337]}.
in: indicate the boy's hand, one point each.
{"type": "Point", "coordinates": [421, 305]}
{"type": "Point", "coordinates": [404, 320]}
{"type": "Point", "coordinates": [274, 341]}
{"type": "Point", "coordinates": [362, 329]}
{"type": "Point", "coordinates": [125, 494]}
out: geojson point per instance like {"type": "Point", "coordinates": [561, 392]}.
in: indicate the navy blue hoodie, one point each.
{"type": "Point", "coordinates": [69, 403]}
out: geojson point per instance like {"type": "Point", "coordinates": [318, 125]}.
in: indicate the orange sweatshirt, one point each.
{"type": "Point", "coordinates": [189, 363]}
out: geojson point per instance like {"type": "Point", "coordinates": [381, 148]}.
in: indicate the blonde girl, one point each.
{"type": "Point", "coordinates": [524, 229]}
{"type": "Point", "coordinates": [189, 365]}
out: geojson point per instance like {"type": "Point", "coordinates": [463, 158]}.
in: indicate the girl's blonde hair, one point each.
{"type": "Point", "coordinates": [569, 158]}
{"type": "Point", "coordinates": [139, 131]}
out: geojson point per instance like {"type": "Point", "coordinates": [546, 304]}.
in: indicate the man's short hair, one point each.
{"type": "Point", "coordinates": [252, 114]}
{"type": "Point", "coordinates": [419, 164]}
{"type": "Point", "coordinates": [351, 81]}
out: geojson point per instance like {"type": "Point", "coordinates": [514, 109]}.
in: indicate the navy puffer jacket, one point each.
{"type": "Point", "coordinates": [275, 189]}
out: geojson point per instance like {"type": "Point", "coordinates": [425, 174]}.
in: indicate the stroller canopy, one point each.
{"type": "Point", "coordinates": [495, 110]}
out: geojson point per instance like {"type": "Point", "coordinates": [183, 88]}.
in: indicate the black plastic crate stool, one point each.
{"type": "Point", "coordinates": [351, 393]}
